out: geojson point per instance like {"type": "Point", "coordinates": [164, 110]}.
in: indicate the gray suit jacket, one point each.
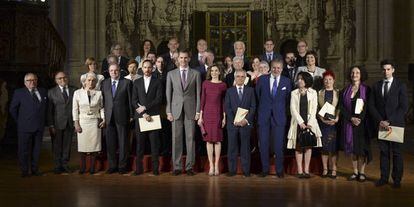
{"type": "Point", "coordinates": [59, 112]}
{"type": "Point", "coordinates": [187, 99]}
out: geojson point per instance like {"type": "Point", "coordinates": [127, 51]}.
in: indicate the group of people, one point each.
{"type": "Point", "coordinates": [280, 97]}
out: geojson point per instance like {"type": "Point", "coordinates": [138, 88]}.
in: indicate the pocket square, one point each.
{"type": "Point", "coordinates": [284, 88]}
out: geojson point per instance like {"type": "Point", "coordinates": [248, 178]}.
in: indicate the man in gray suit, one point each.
{"type": "Point", "coordinates": [60, 121]}
{"type": "Point", "coordinates": [183, 89]}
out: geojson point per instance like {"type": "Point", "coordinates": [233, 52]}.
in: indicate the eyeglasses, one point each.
{"type": "Point", "coordinates": [31, 80]}
{"type": "Point", "coordinates": [60, 78]}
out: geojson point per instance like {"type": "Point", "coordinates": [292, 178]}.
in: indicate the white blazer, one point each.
{"type": "Point", "coordinates": [297, 119]}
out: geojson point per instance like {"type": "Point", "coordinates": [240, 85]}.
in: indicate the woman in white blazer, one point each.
{"type": "Point", "coordinates": [88, 117]}
{"type": "Point", "coordinates": [303, 107]}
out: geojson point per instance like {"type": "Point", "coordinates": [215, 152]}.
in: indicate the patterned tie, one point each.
{"type": "Point", "coordinates": [184, 78]}
{"type": "Point", "coordinates": [386, 89]}
{"type": "Point", "coordinates": [34, 96]}
{"type": "Point", "coordinates": [65, 94]}
{"type": "Point", "coordinates": [274, 88]}
{"type": "Point", "coordinates": [240, 94]}
{"type": "Point", "coordinates": [113, 88]}
{"type": "Point", "coordinates": [269, 57]}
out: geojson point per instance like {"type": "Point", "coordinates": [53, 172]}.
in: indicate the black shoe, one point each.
{"type": "Point", "coordinates": [280, 175]}
{"type": "Point", "coordinates": [381, 182]}
{"type": "Point", "coordinates": [58, 171]}
{"type": "Point", "coordinates": [300, 175]}
{"type": "Point", "coordinates": [81, 171]}
{"type": "Point", "coordinates": [396, 185]}
{"type": "Point", "coordinates": [190, 172]}
{"type": "Point", "coordinates": [362, 178]}
{"type": "Point", "coordinates": [306, 175]}
{"type": "Point", "coordinates": [136, 173]}
{"type": "Point", "coordinates": [262, 175]}
{"type": "Point", "coordinates": [246, 175]}
{"type": "Point", "coordinates": [353, 177]}
{"type": "Point", "coordinates": [66, 169]}
{"type": "Point", "coordinates": [111, 171]}
{"type": "Point", "coordinates": [37, 173]}
{"type": "Point", "coordinates": [122, 171]}
{"type": "Point", "coordinates": [332, 176]}
{"type": "Point", "coordinates": [230, 174]}
{"type": "Point", "coordinates": [92, 171]}
{"type": "Point", "coordinates": [176, 172]}
{"type": "Point", "coordinates": [156, 173]}
{"type": "Point", "coordinates": [25, 175]}
{"type": "Point", "coordinates": [324, 175]}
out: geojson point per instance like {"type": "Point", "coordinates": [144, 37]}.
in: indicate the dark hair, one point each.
{"type": "Point", "coordinates": [208, 75]}
{"type": "Point", "coordinates": [147, 61]}
{"type": "Point", "coordinates": [387, 62]}
{"type": "Point", "coordinates": [328, 73]}
{"type": "Point", "coordinates": [151, 52]}
{"type": "Point", "coordinates": [364, 73]}
{"type": "Point", "coordinates": [314, 54]}
{"type": "Point", "coordinates": [269, 39]}
{"type": "Point", "coordinates": [307, 78]}
{"type": "Point", "coordinates": [162, 64]}
{"type": "Point", "coordinates": [141, 49]}
{"type": "Point", "coordinates": [185, 51]}
{"type": "Point", "coordinates": [132, 61]}
{"type": "Point", "coordinates": [224, 60]}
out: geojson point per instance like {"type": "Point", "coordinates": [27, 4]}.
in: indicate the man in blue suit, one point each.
{"type": "Point", "coordinates": [28, 109]}
{"type": "Point", "coordinates": [273, 95]}
{"type": "Point", "coordinates": [239, 96]}
{"type": "Point", "coordinates": [269, 54]}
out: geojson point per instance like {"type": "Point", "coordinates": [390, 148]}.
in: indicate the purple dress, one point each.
{"type": "Point", "coordinates": [212, 100]}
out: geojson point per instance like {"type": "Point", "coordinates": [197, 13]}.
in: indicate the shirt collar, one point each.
{"type": "Point", "coordinates": [389, 80]}
{"type": "Point", "coordinates": [242, 87]}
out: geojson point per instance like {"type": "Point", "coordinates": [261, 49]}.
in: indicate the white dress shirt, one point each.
{"type": "Point", "coordinates": [272, 80]}
{"type": "Point", "coordinates": [37, 94]}
{"type": "Point", "coordinates": [147, 81]}
{"type": "Point", "coordinates": [389, 85]}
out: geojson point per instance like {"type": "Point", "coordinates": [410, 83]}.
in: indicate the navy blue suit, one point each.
{"type": "Point", "coordinates": [30, 117]}
{"type": "Point", "coordinates": [393, 109]}
{"type": "Point", "coordinates": [232, 102]}
{"type": "Point", "coordinates": [203, 71]}
{"type": "Point", "coordinates": [276, 56]}
{"type": "Point", "coordinates": [272, 119]}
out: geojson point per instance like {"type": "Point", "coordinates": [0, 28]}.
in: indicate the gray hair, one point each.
{"type": "Point", "coordinates": [29, 74]}
{"type": "Point", "coordinates": [236, 58]}
{"type": "Point", "coordinates": [114, 46]}
{"type": "Point", "coordinates": [264, 63]}
{"type": "Point", "coordinates": [239, 43]}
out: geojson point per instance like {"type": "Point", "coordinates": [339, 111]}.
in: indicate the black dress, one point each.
{"type": "Point", "coordinates": [303, 111]}
{"type": "Point", "coordinates": [329, 144]}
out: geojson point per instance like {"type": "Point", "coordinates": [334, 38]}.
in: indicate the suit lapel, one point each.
{"type": "Point", "coordinates": [189, 78]}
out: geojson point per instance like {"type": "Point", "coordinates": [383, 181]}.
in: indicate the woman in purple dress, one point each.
{"type": "Point", "coordinates": [212, 117]}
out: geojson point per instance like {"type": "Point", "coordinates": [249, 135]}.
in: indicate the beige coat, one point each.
{"type": "Point", "coordinates": [297, 119]}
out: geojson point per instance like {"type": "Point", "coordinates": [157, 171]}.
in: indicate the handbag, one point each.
{"type": "Point", "coordinates": [307, 138]}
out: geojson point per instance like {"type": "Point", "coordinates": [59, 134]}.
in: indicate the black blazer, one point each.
{"type": "Point", "coordinates": [119, 106]}
{"type": "Point", "coordinates": [59, 111]}
{"type": "Point", "coordinates": [122, 65]}
{"type": "Point", "coordinates": [152, 100]}
{"type": "Point", "coordinates": [394, 108]}
{"type": "Point", "coordinates": [230, 79]}
{"type": "Point", "coordinates": [169, 64]}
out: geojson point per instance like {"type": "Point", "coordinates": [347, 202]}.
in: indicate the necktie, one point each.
{"type": "Point", "coordinates": [113, 88]}
{"type": "Point", "coordinates": [274, 88]}
{"type": "Point", "coordinates": [386, 89]}
{"type": "Point", "coordinates": [269, 57]}
{"type": "Point", "coordinates": [65, 94]}
{"type": "Point", "coordinates": [240, 94]}
{"type": "Point", "coordinates": [184, 78]}
{"type": "Point", "coordinates": [34, 96]}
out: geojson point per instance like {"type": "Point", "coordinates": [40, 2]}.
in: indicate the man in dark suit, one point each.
{"type": "Point", "coordinates": [118, 114]}
{"type": "Point", "coordinates": [290, 68]}
{"type": "Point", "coordinates": [197, 58]}
{"type": "Point", "coordinates": [170, 58]}
{"type": "Point", "coordinates": [239, 96]}
{"type": "Point", "coordinates": [147, 100]}
{"type": "Point", "coordinates": [388, 106]}
{"type": "Point", "coordinates": [60, 121]}
{"type": "Point", "coordinates": [207, 60]}
{"type": "Point", "coordinates": [237, 66]}
{"type": "Point", "coordinates": [28, 109]}
{"type": "Point", "coordinates": [273, 95]}
{"type": "Point", "coordinates": [122, 61]}
{"type": "Point", "coordinates": [269, 55]}
{"type": "Point", "coordinates": [302, 48]}
{"type": "Point", "coordinates": [239, 51]}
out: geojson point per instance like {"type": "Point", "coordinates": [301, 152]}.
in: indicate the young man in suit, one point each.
{"type": "Point", "coordinates": [28, 109]}
{"type": "Point", "coordinates": [117, 93]}
{"type": "Point", "coordinates": [269, 55]}
{"type": "Point", "coordinates": [290, 70]}
{"type": "Point", "coordinates": [60, 121]}
{"type": "Point", "coordinates": [239, 96]}
{"type": "Point", "coordinates": [183, 90]}
{"type": "Point", "coordinates": [147, 100]}
{"type": "Point", "coordinates": [388, 105]}
{"type": "Point", "coordinates": [273, 95]}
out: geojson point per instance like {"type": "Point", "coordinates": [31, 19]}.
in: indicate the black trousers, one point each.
{"type": "Point", "coordinates": [29, 143]}
{"type": "Point", "coordinates": [117, 138]}
{"type": "Point", "coordinates": [233, 146]}
{"type": "Point", "coordinates": [61, 146]}
{"type": "Point", "coordinates": [155, 147]}
{"type": "Point", "coordinates": [386, 148]}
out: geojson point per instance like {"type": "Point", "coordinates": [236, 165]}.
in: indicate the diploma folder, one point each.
{"type": "Point", "coordinates": [240, 114]}
{"type": "Point", "coordinates": [145, 125]}
{"type": "Point", "coordinates": [394, 134]}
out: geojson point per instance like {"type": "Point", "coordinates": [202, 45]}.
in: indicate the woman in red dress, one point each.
{"type": "Point", "coordinates": [212, 117]}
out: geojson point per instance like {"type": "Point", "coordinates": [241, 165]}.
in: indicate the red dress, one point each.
{"type": "Point", "coordinates": [212, 100]}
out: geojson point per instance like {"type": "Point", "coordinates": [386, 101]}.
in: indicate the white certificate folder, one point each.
{"type": "Point", "coordinates": [240, 114]}
{"type": "Point", "coordinates": [145, 125]}
{"type": "Point", "coordinates": [394, 134]}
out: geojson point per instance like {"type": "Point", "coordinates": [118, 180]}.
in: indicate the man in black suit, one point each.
{"type": "Point", "coordinates": [239, 51]}
{"type": "Point", "coordinates": [207, 60]}
{"type": "Point", "coordinates": [60, 121]}
{"type": "Point", "coordinates": [290, 68]}
{"type": "Point", "coordinates": [269, 54]}
{"type": "Point", "coordinates": [388, 106]}
{"type": "Point", "coordinates": [28, 109]}
{"type": "Point", "coordinates": [171, 56]}
{"type": "Point", "coordinates": [237, 66]}
{"type": "Point", "coordinates": [118, 114]}
{"type": "Point", "coordinates": [116, 50]}
{"type": "Point", "coordinates": [302, 48]}
{"type": "Point", "coordinates": [197, 58]}
{"type": "Point", "coordinates": [146, 100]}
{"type": "Point", "coordinates": [244, 97]}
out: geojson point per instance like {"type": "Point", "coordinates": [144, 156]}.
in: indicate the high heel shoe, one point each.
{"type": "Point", "coordinates": [324, 173]}
{"type": "Point", "coordinates": [211, 171]}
